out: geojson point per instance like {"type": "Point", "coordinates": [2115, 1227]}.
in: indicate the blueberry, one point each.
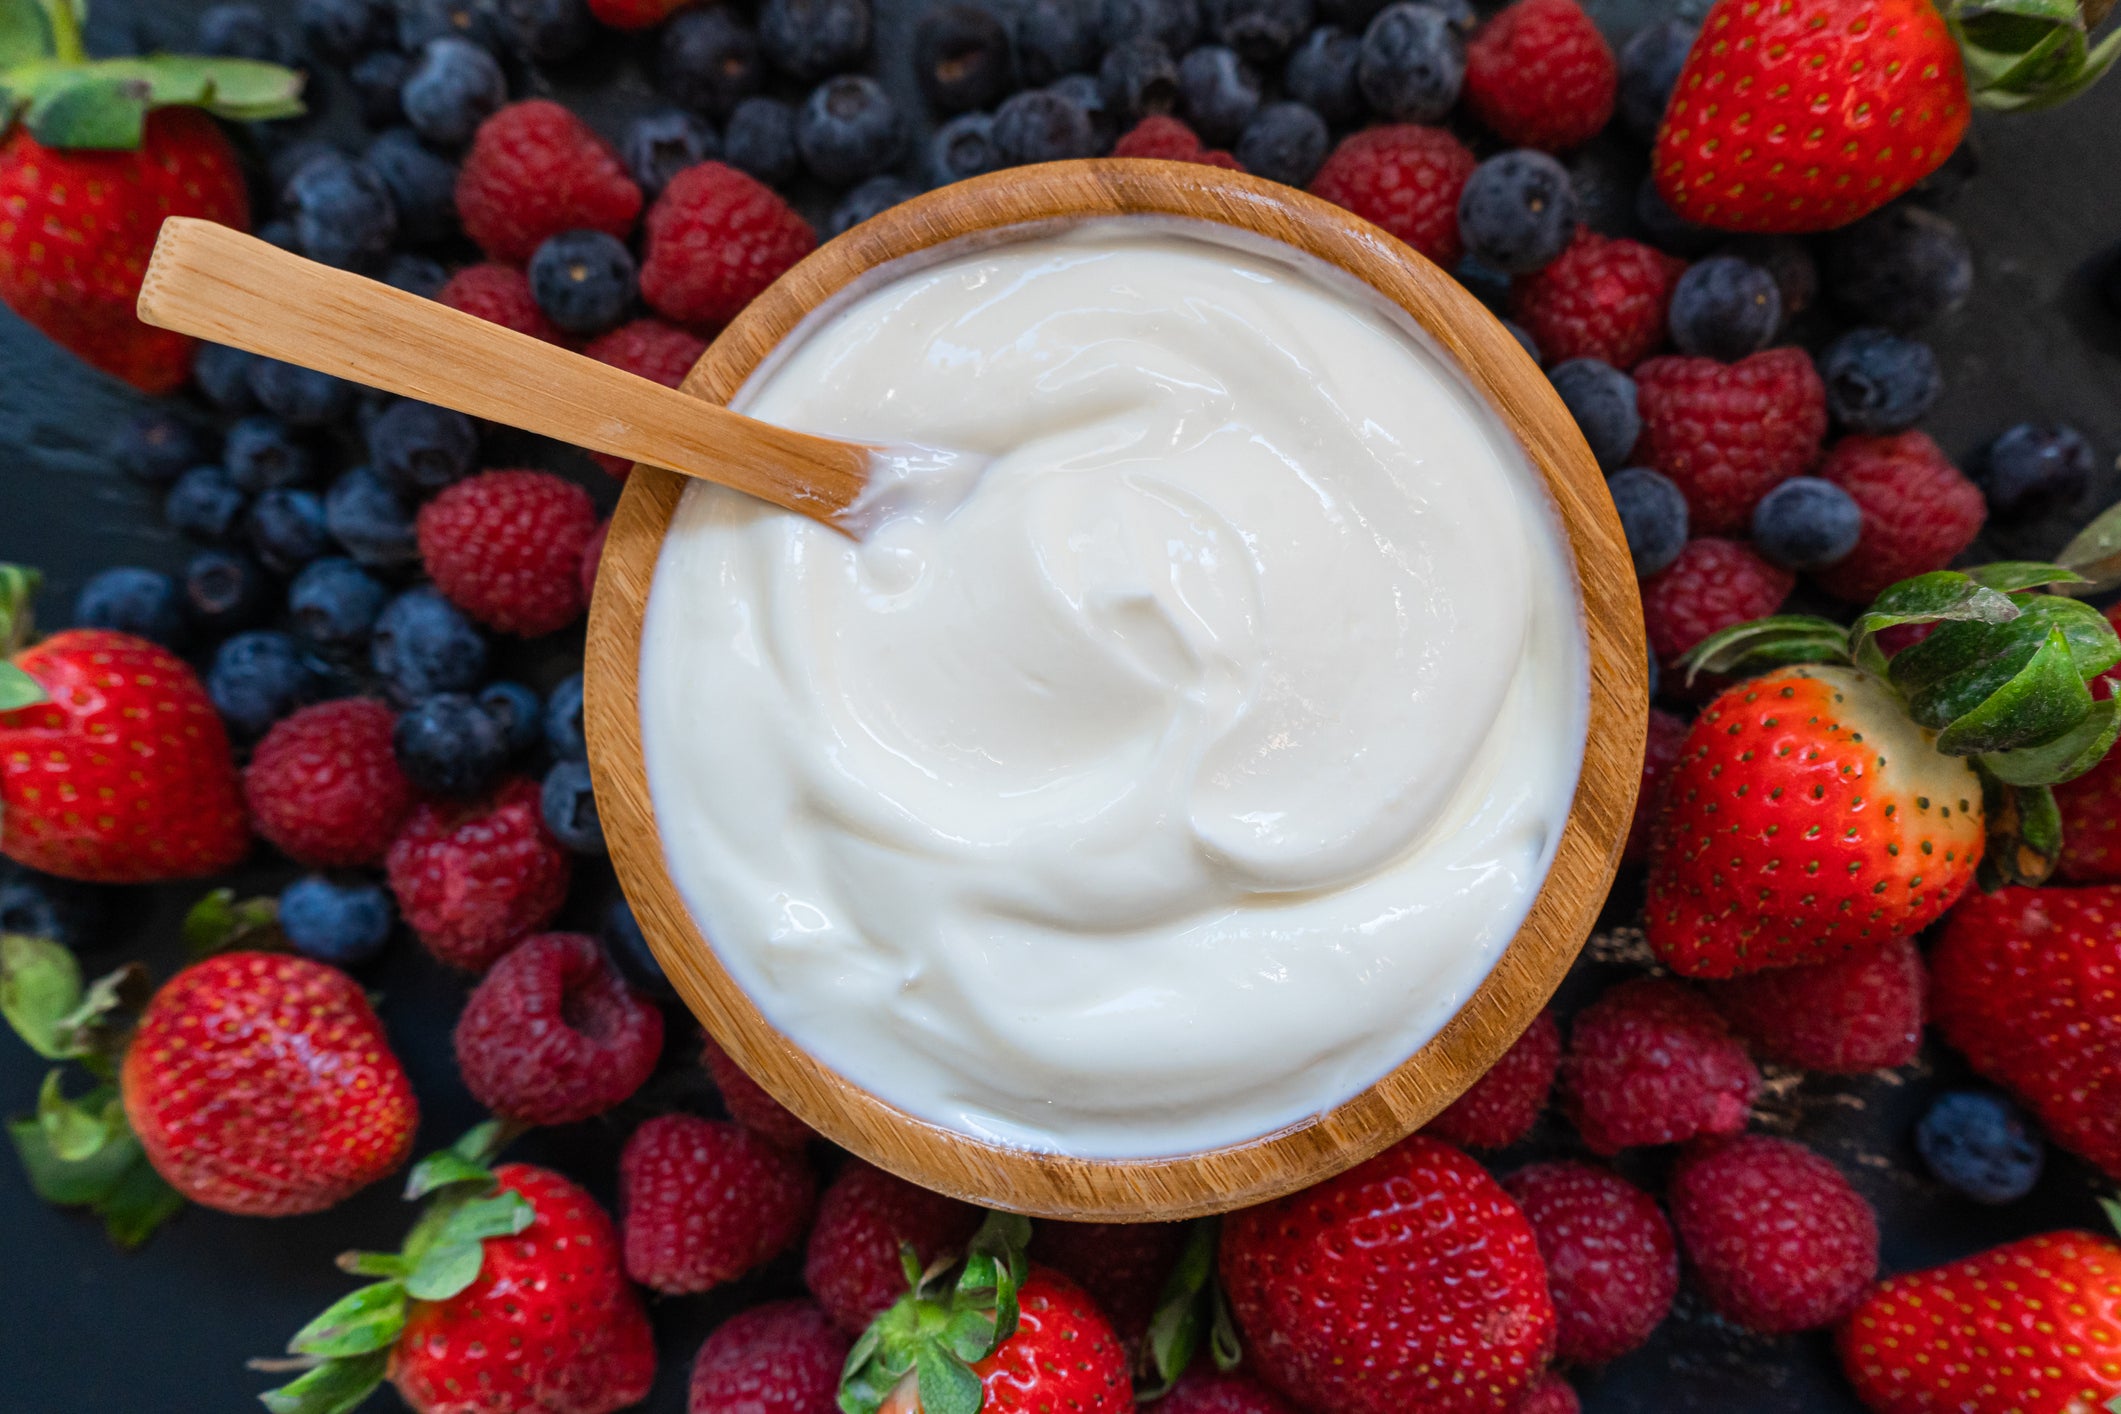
{"type": "Point", "coordinates": [450, 745]}
{"type": "Point", "coordinates": [1656, 673]}
{"type": "Point", "coordinates": [287, 529]}
{"type": "Point", "coordinates": [261, 453]}
{"type": "Point", "coordinates": [708, 60]}
{"type": "Point", "coordinates": [870, 198]}
{"type": "Point", "coordinates": [1667, 229]}
{"type": "Point", "coordinates": [256, 678]}
{"type": "Point", "coordinates": [133, 600]}
{"type": "Point", "coordinates": [1413, 63]}
{"type": "Point", "coordinates": [808, 39]}
{"type": "Point", "coordinates": [452, 87]}
{"type": "Point", "coordinates": [223, 377]}
{"type": "Point", "coordinates": [299, 397]}
{"type": "Point", "coordinates": [570, 807]}
{"type": "Point", "coordinates": [1602, 400]}
{"type": "Point", "coordinates": [584, 281]}
{"type": "Point", "coordinates": [422, 448]}
{"type": "Point", "coordinates": [1041, 125]}
{"type": "Point", "coordinates": [961, 57]}
{"type": "Point", "coordinates": [547, 31]}
{"type": "Point", "coordinates": [288, 156]}
{"type": "Point", "coordinates": [204, 503]}
{"type": "Point", "coordinates": [1172, 24]}
{"type": "Point", "coordinates": [370, 521]}
{"type": "Point", "coordinates": [156, 447]}
{"type": "Point", "coordinates": [517, 711]}
{"type": "Point", "coordinates": [1056, 37]}
{"type": "Point", "coordinates": [422, 185]}
{"type": "Point", "coordinates": [1284, 142]}
{"type": "Point", "coordinates": [376, 79]}
{"type": "Point", "coordinates": [563, 721]}
{"type": "Point", "coordinates": [1902, 267]}
{"type": "Point", "coordinates": [240, 31]}
{"type": "Point", "coordinates": [2033, 469]}
{"type": "Point", "coordinates": [1136, 79]}
{"type": "Point", "coordinates": [33, 905]}
{"type": "Point", "coordinates": [1649, 67]}
{"type": "Point", "coordinates": [333, 604]}
{"type": "Point", "coordinates": [423, 645]}
{"type": "Point", "coordinates": [416, 274]}
{"type": "Point", "coordinates": [1980, 1145]}
{"type": "Point", "coordinates": [1726, 308]}
{"type": "Point", "coordinates": [1217, 93]}
{"type": "Point", "coordinates": [420, 21]}
{"type": "Point", "coordinates": [760, 140]}
{"type": "Point", "coordinates": [1518, 211]}
{"type": "Point", "coordinates": [658, 146]}
{"type": "Point", "coordinates": [280, 234]}
{"type": "Point", "coordinates": [1086, 93]}
{"type": "Point", "coordinates": [341, 29]}
{"type": "Point", "coordinates": [1806, 524]}
{"type": "Point", "coordinates": [1486, 284]}
{"type": "Point", "coordinates": [1652, 515]}
{"type": "Point", "coordinates": [961, 148]}
{"type": "Point", "coordinates": [1878, 382]}
{"type": "Point", "coordinates": [628, 947]}
{"type": "Point", "coordinates": [342, 211]}
{"type": "Point", "coordinates": [224, 592]}
{"type": "Point", "coordinates": [1524, 340]}
{"type": "Point", "coordinates": [849, 129]}
{"type": "Point", "coordinates": [1261, 30]}
{"type": "Point", "coordinates": [344, 924]}
{"type": "Point", "coordinates": [1321, 74]}
{"type": "Point", "coordinates": [1790, 261]}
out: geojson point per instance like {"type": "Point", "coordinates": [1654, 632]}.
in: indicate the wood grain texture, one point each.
{"type": "Point", "coordinates": [219, 284]}
{"type": "Point", "coordinates": [1529, 969]}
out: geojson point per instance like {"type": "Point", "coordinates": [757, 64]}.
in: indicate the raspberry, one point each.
{"type": "Point", "coordinates": [324, 785]}
{"type": "Point", "coordinates": [472, 879]}
{"type": "Point", "coordinates": [1540, 74]}
{"type": "Point", "coordinates": [780, 1358]}
{"type": "Point", "coordinates": [1859, 1012]}
{"type": "Point", "coordinates": [662, 353]}
{"type": "Point", "coordinates": [1206, 1391]}
{"type": "Point", "coordinates": [703, 1201]}
{"type": "Point", "coordinates": [1711, 586]}
{"type": "Point", "coordinates": [1500, 1107]}
{"type": "Point", "coordinates": [633, 14]}
{"type": "Point", "coordinates": [535, 170]}
{"type": "Point", "coordinates": [1778, 1240]}
{"type": "Point", "coordinates": [1727, 434]}
{"type": "Point", "coordinates": [1552, 1395]}
{"type": "Point", "coordinates": [1405, 178]}
{"type": "Point", "coordinates": [1601, 298]}
{"type": "Point", "coordinates": [551, 1034]}
{"type": "Point", "coordinates": [852, 1267]}
{"type": "Point", "coordinates": [499, 294]}
{"type": "Point", "coordinates": [715, 239]}
{"type": "Point", "coordinates": [592, 557]}
{"type": "Point", "coordinates": [506, 548]}
{"type": "Point", "coordinates": [749, 1104]}
{"type": "Point", "coordinates": [1650, 1062]}
{"type": "Point", "coordinates": [1918, 511]}
{"type": "Point", "coordinates": [1167, 139]}
{"type": "Point", "coordinates": [1122, 1266]}
{"type": "Point", "coordinates": [1612, 1265]}
{"type": "Point", "coordinates": [1659, 754]}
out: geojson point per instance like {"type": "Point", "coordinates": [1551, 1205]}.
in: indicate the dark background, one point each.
{"type": "Point", "coordinates": [87, 1330]}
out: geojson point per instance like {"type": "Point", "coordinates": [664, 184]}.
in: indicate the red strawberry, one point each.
{"type": "Point", "coordinates": [1407, 179]}
{"type": "Point", "coordinates": [1612, 1265]}
{"type": "Point", "coordinates": [1777, 1239]}
{"type": "Point", "coordinates": [749, 1104]}
{"type": "Point", "coordinates": [1411, 1284]}
{"type": "Point", "coordinates": [1850, 1014]}
{"type": "Point", "coordinates": [1063, 1355]}
{"type": "Point", "coordinates": [1727, 434]}
{"type": "Point", "coordinates": [474, 879]}
{"type": "Point", "coordinates": [852, 1266]}
{"type": "Point", "coordinates": [1660, 753]}
{"type": "Point", "coordinates": [780, 1358]}
{"type": "Point", "coordinates": [324, 785]}
{"type": "Point", "coordinates": [1539, 74]}
{"type": "Point", "coordinates": [1601, 298]}
{"type": "Point", "coordinates": [1918, 511]}
{"type": "Point", "coordinates": [703, 1201]}
{"type": "Point", "coordinates": [1650, 1062]}
{"type": "Point", "coordinates": [1500, 1108]}
{"type": "Point", "coordinates": [2091, 824]}
{"type": "Point", "coordinates": [262, 1084]}
{"type": "Point", "coordinates": [2027, 1328]}
{"type": "Point", "coordinates": [1123, 1266]}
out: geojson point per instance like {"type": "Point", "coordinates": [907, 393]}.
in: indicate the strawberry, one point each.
{"type": "Point", "coordinates": [1806, 114]}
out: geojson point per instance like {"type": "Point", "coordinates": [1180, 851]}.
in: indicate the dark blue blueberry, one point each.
{"type": "Point", "coordinates": [1487, 284]}
{"type": "Point", "coordinates": [1902, 267]}
{"type": "Point", "coordinates": [452, 87]}
{"type": "Point", "coordinates": [1980, 1145]}
{"type": "Point", "coordinates": [2034, 468]}
{"type": "Point", "coordinates": [849, 129]}
{"type": "Point", "coordinates": [33, 905]}
{"type": "Point", "coordinates": [1260, 30]}
{"type": "Point", "coordinates": [344, 924]}
{"type": "Point", "coordinates": [1602, 400]}
{"type": "Point", "coordinates": [377, 79]}
{"type": "Point", "coordinates": [1652, 516]}
{"type": "Point", "coordinates": [873, 197]}
{"type": "Point", "coordinates": [708, 60]}
{"type": "Point", "coordinates": [289, 156]}
{"type": "Point", "coordinates": [370, 520]}
{"type": "Point", "coordinates": [287, 529]}
{"type": "Point", "coordinates": [1056, 37]}
{"type": "Point", "coordinates": [548, 31]}
{"type": "Point", "coordinates": [423, 645]}
{"type": "Point", "coordinates": [1284, 142]}
{"type": "Point", "coordinates": [1088, 94]}
{"type": "Point", "coordinates": [1518, 211]}
{"type": "Point", "coordinates": [570, 808]}
{"type": "Point", "coordinates": [1656, 675]}
{"type": "Point", "coordinates": [517, 711]}
{"type": "Point", "coordinates": [961, 148]}
{"type": "Point", "coordinates": [1524, 339]}
{"type": "Point", "coordinates": [1649, 66]}
{"type": "Point", "coordinates": [1413, 63]}
{"type": "Point", "coordinates": [1806, 524]}
{"type": "Point", "coordinates": [1667, 229]}
{"type": "Point", "coordinates": [1322, 74]}
{"type": "Point", "coordinates": [629, 948]}
{"type": "Point", "coordinates": [584, 281]}
{"type": "Point", "coordinates": [224, 592]}
{"type": "Point", "coordinates": [420, 275]}
{"type": "Point", "coordinates": [563, 721]}
{"type": "Point", "coordinates": [1878, 382]}
{"type": "Point", "coordinates": [300, 397]}
{"type": "Point", "coordinates": [204, 503]}
{"type": "Point", "coordinates": [333, 603]}
{"type": "Point", "coordinates": [257, 678]}
{"type": "Point", "coordinates": [658, 146]}
{"type": "Point", "coordinates": [760, 139]}
{"type": "Point", "coordinates": [450, 745]}
{"type": "Point", "coordinates": [1790, 261]}
{"type": "Point", "coordinates": [1726, 308]}
{"type": "Point", "coordinates": [1173, 24]}
{"type": "Point", "coordinates": [133, 600]}
{"type": "Point", "coordinates": [1042, 125]}
{"type": "Point", "coordinates": [342, 29]}
{"type": "Point", "coordinates": [261, 453]}
{"type": "Point", "coordinates": [961, 57]}
{"type": "Point", "coordinates": [422, 185]}
{"type": "Point", "coordinates": [808, 39]}
{"type": "Point", "coordinates": [422, 448]}
{"type": "Point", "coordinates": [240, 31]}
{"type": "Point", "coordinates": [422, 20]}
{"type": "Point", "coordinates": [1136, 79]}
{"type": "Point", "coordinates": [280, 234]}
{"type": "Point", "coordinates": [223, 377]}
{"type": "Point", "coordinates": [342, 212]}
{"type": "Point", "coordinates": [1217, 93]}
{"type": "Point", "coordinates": [157, 447]}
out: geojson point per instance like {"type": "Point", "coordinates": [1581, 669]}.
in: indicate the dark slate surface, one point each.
{"type": "Point", "coordinates": [84, 1330]}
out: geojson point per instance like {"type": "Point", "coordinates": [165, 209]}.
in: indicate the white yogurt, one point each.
{"type": "Point", "coordinates": [1186, 776]}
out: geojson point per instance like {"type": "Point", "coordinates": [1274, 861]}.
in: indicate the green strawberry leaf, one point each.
{"type": "Point", "coordinates": [77, 1130]}
{"type": "Point", "coordinates": [466, 1161]}
{"type": "Point", "coordinates": [138, 1203]}
{"type": "Point", "coordinates": [502, 1215]}
{"type": "Point", "coordinates": [445, 1270]}
{"type": "Point", "coordinates": [361, 1321]}
{"type": "Point", "coordinates": [2112, 1209]}
{"type": "Point", "coordinates": [220, 923]}
{"type": "Point", "coordinates": [87, 1032]}
{"type": "Point", "coordinates": [40, 988]}
{"type": "Point", "coordinates": [334, 1387]}
{"type": "Point", "coordinates": [1223, 1345]}
{"type": "Point", "coordinates": [115, 1181]}
{"type": "Point", "coordinates": [2041, 702]}
{"type": "Point", "coordinates": [372, 1264]}
{"type": "Point", "coordinates": [2012, 576]}
{"type": "Point", "coordinates": [1774, 642]}
{"type": "Point", "coordinates": [18, 689]}
{"type": "Point", "coordinates": [18, 588]}
{"type": "Point", "coordinates": [1942, 596]}
{"type": "Point", "coordinates": [2096, 552]}
{"type": "Point", "coordinates": [1962, 665]}
{"type": "Point", "coordinates": [1182, 1315]}
{"type": "Point", "coordinates": [79, 110]}
{"type": "Point", "coordinates": [25, 34]}
{"type": "Point", "coordinates": [2065, 758]}
{"type": "Point", "coordinates": [947, 1384]}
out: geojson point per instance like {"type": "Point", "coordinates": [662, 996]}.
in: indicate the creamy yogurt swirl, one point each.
{"type": "Point", "coordinates": [1184, 776]}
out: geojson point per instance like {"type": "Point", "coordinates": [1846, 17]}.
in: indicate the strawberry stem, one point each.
{"type": "Point", "coordinates": [67, 47]}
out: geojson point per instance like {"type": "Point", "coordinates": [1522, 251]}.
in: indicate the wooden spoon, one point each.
{"type": "Point", "coordinates": [219, 284]}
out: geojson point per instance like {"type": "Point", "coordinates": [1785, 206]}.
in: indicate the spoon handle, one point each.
{"type": "Point", "coordinates": [219, 284]}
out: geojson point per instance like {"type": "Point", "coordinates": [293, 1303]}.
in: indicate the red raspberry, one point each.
{"type": "Point", "coordinates": [1862, 1011]}
{"type": "Point", "coordinates": [1712, 585]}
{"type": "Point", "coordinates": [499, 294]}
{"type": "Point", "coordinates": [634, 14]}
{"type": "Point", "coordinates": [1660, 752]}
{"type": "Point", "coordinates": [551, 1034]}
{"type": "Point", "coordinates": [1778, 1240]}
{"type": "Point", "coordinates": [1601, 298]}
{"type": "Point", "coordinates": [1166, 139]}
{"type": "Point", "coordinates": [1502, 1105]}
{"type": "Point", "coordinates": [780, 1358]}
{"type": "Point", "coordinates": [1727, 434]}
{"type": "Point", "coordinates": [1918, 511]}
{"type": "Point", "coordinates": [1612, 1265]}
{"type": "Point", "coordinates": [662, 353]}
{"type": "Point", "coordinates": [749, 1104]}
{"type": "Point", "coordinates": [1123, 1266]}
{"type": "Point", "coordinates": [1650, 1062]}
{"type": "Point", "coordinates": [1205, 1391]}
{"type": "Point", "coordinates": [1540, 74]}
{"type": "Point", "coordinates": [472, 880]}
{"type": "Point", "coordinates": [703, 1201]}
{"type": "Point", "coordinates": [506, 548]}
{"type": "Point", "coordinates": [1552, 1395]}
{"type": "Point", "coordinates": [324, 785]}
{"type": "Point", "coordinates": [715, 239]}
{"type": "Point", "coordinates": [535, 170]}
{"type": "Point", "coordinates": [852, 1267]}
{"type": "Point", "coordinates": [1405, 178]}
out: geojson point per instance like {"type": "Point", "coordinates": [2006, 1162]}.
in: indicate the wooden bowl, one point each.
{"type": "Point", "coordinates": [1052, 1185]}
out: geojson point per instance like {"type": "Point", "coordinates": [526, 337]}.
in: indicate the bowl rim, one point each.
{"type": "Point", "coordinates": [1522, 978]}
